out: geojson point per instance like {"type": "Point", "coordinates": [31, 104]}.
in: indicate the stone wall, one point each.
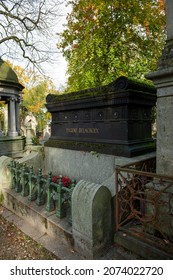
{"type": "Point", "coordinates": [159, 208]}
{"type": "Point", "coordinates": [89, 166]}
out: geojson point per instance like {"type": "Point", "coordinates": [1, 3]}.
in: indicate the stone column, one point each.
{"type": "Point", "coordinates": [5, 120]}
{"type": "Point", "coordinates": [163, 80]}
{"type": "Point", "coordinates": [17, 107]}
{"type": "Point", "coordinates": [169, 19]}
{"type": "Point", "coordinates": [12, 118]}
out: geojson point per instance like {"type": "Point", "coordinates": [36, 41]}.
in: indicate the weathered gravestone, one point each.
{"type": "Point", "coordinates": [92, 219]}
{"type": "Point", "coordinates": [113, 119]}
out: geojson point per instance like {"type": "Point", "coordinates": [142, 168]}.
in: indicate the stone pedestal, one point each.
{"type": "Point", "coordinates": [12, 146]}
{"type": "Point", "coordinates": [163, 80]}
{"type": "Point", "coordinates": [29, 134]}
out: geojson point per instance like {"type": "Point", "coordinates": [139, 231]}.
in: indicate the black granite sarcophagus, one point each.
{"type": "Point", "coordinates": [113, 119]}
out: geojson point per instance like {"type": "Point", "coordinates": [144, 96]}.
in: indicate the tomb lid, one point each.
{"type": "Point", "coordinates": [121, 84]}
{"type": "Point", "coordinates": [7, 75]}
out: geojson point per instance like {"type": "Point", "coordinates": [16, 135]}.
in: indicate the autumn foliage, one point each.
{"type": "Point", "coordinates": [105, 39]}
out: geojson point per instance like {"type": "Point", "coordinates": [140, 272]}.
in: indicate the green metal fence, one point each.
{"type": "Point", "coordinates": [42, 189]}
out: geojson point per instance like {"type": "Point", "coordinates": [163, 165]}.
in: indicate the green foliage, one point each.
{"type": "Point", "coordinates": [107, 39]}
{"type": "Point", "coordinates": [35, 141]}
{"type": "Point", "coordinates": [34, 94]}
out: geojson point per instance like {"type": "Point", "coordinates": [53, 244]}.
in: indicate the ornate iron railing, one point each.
{"type": "Point", "coordinates": [42, 189]}
{"type": "Point", "coordinates": [144, 200]}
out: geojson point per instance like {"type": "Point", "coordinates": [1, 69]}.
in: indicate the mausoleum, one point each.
{"type": "Point", "coordinates": [11, 141]}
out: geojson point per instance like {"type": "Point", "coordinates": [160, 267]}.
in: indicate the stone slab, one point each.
{"type": "Point", "coordinates": [90, 166]}
{"type": "Point", "coordinates": [37, 217]}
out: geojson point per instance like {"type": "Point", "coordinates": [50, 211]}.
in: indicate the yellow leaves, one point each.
{"type": "Point", "coordinates": [34, 108]}
{"type": "Point", "coordinates": [161, 4]}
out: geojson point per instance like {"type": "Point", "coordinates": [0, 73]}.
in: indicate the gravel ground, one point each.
{"type": "Point", "coordinates": [15, 245]}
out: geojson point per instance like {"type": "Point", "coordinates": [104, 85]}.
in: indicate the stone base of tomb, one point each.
{"type": "Point", "coordinates": [126, 149]}
{"type": "Point", "coordinates": [12, 146]}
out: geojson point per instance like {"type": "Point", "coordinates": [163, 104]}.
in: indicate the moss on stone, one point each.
{"type": "Point", "coordinates": [114, 87]}
{"type": "Point", "coordinates": [104, 148]}
{"type": "Point", "coordinates": [6, 73]}
{"type": "Point", "coordinates": [74, 145]}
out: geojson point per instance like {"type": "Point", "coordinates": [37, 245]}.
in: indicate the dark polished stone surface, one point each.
{"type": "Point", "coordinates": [119, 117]}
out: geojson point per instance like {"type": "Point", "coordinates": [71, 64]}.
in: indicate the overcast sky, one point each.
{"type": "Point", "coordinates": [56, 70]}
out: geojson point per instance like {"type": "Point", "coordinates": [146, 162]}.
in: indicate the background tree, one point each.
{"type": "Point", "coordinates": [34, 94]}
{"type": "Point", "coordinates": [34, 100]}
{"type": "Point", "coordinates": [106, 39]}
{"type": "Point", "coordinates": [25, 29]}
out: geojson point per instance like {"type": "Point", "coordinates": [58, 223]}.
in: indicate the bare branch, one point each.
{"type": "Point", "coordinates": [26, 27]}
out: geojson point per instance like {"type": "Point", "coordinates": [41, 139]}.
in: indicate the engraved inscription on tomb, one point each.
{"type": "Point", "coordinates": [82, 130]}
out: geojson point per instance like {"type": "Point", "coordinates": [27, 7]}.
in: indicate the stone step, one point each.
{"type": "Point", "coordinates": [53, 233]}
{"type": "Point", "coordinates": [140, 247]}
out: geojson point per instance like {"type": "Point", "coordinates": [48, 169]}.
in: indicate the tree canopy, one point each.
{"type": "Point", "coordinates": [34, 94]}
{"type": "Point", "coordinates": [25, 28]}
{"type": "Point", "coordinates": [105, 39]}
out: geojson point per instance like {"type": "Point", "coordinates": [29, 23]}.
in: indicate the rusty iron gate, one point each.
{"type": "Point", "coordinates": [144, 200]}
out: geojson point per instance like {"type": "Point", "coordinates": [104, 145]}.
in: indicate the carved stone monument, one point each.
{"type": "Point", "coordinates": [163, 80]}
{"type": "Point", "coordinates": [11, 143]}
{"type": "Point", "coordinates": [113, 119]}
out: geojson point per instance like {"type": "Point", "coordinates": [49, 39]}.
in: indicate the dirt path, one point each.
{"type": "Point", "coordinates": [15, 245]}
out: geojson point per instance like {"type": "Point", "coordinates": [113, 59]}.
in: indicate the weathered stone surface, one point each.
{"type": "Point", "coordinates": [7, 74]}
{"type": "Point", "coordinates": [169, 19]}
{"type": "Point", "coordinates": [91, 216]}
{"type": "Point", "coordinates": [93, 167]}
{"type": "Point", "coordinates": [12, 146]}
{"type": "Point", "coordinates": [4, 171]}
{"type": "Point", "coordinates": [33, 156]}
{"type": "Point", "coordinates": [165, 135]}
{"type": "Point", "coordinates": [10, 92]}
{"type": "Point", "coordinates": [163, 80]}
